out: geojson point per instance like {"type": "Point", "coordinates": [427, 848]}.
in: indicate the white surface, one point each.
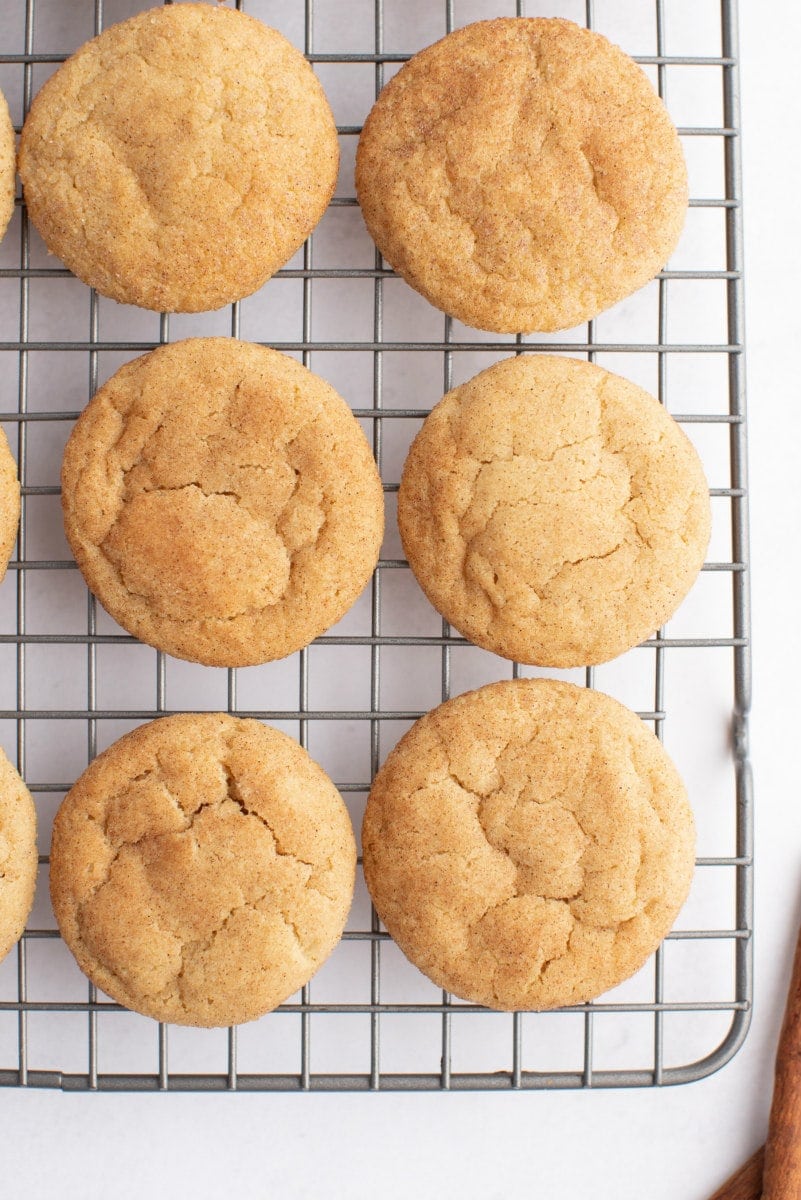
{"type": "Point", "coordinates": [614, 1145]}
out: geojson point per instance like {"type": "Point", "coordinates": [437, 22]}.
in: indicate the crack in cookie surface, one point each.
{"type": "Point", "coordinates": [202, 869]}
{"type": "Point", "coordinates": [554, 513]}
{"type": "Point", "coordinates": [529, 844]}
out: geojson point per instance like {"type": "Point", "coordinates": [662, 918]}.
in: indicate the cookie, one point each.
{"type": "Point", "coordinates": [180, 158]}
{"type": "Point", "coordinates": [222, 502]}
{"type": "Point", "coordinates": [9, 503]}
{"type": "Point", "coordinates": [18, 857]}
{"type": "Point", "coordinates": [522, 174]}
{"type": "Point", "coordinates": [528, 845]}
{"type": "Point", "coordinates": [8, 166]}
{"type": "Point", "coordinates": [554, 513]}
{"type": "Point", "coordinates": [202, 869]}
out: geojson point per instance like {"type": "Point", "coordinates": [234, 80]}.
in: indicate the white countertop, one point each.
{"type": "Point", "coordinates": [638, 1145]}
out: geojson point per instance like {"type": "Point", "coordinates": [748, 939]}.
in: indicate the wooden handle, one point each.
{"type": "Point", "coordinates": [781, 1177]}
{"type": "Point", "coordinates": [746, 1183]}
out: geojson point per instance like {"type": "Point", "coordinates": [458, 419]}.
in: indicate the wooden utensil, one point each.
{"type": "Point", "coordinates": [781, 1175]}
{"type": "Point", "coordinates": [774, 1171]}
{"type": "Point", "coordinates": [746, 1182]}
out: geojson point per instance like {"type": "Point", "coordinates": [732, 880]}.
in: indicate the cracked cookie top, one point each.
{"type": "Point", "coordinates": [180, 158]}
{"type": "Point", "coordinates": [9, 503]}
{"type": "Point", "coordinates": [222, 502]}
{"type": "Point", "coordinates": [554, 513]}
{"type": "Point", "coordinates": [522, 174]}
{"type": "Point", "coordinates": [202, 869]}
{"type": "Point", "coordinates": [18, 858]}
{"type": "Point", "coordinates": [528, 845]}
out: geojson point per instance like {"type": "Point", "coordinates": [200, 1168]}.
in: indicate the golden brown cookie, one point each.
{"type": "Point", "coordinates": [553, 512]}
{"type": "Point", "coordinates": [522, 174]}
{"type": "Point", "coordinates": [528, 845]}
{"type": "Point", "coordinates": [222, 502]}
{"type": "Point", "coordinates": [202, 869]}
{"type": "Point", "coordinates": [180, 158]}
{"type": "Point", "coordinates": [8, 166]}
{"type": "Point", "coordinates": [18, 857]}
{"type": "Point", "coordinates": [9, 503]}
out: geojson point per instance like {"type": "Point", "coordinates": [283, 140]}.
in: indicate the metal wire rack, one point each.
{"type": "Point", "coordinates": [68, 675]}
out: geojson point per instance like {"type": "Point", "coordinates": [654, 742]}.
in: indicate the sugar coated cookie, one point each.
{"type": "Point", "coordinates": [553, 512]}
{"type": "Point", "coordinates": [202, 869]}
{"type": "Point", "coordinates": [522, 174]}
{"type": "Point", "coordinates": [180, 158]}
{"type": "Point", "coordinates": [528, 845]}
{"type": "Point", "coordinates": [222, 502]}
{"type": "Point", "coordinates": [9, 503]}
{"type": "Point", "coordinates": [18, 857]}
{"type": "Point", "coordinates": [8, 166]}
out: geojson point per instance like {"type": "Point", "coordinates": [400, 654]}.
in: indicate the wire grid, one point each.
{"type": "Point", "coordinates": [512, 1073]}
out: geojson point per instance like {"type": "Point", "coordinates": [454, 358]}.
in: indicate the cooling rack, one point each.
{"type": "Point", "coordinates": [71, 681]}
